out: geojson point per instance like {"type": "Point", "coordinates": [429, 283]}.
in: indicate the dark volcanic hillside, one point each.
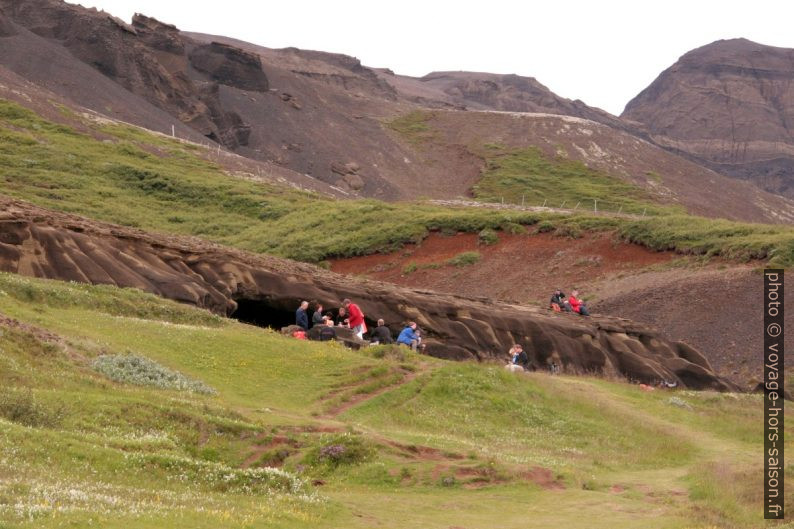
{"type": "Point", "coordinates": [327, 117]}
{"type": "Point", "coordinates": [730, 104]}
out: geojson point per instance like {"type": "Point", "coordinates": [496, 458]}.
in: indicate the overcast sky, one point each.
{"type": "Point", "coordinates": [602, 52]}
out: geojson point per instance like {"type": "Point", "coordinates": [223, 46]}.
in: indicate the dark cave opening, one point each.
{"type": "Point", "coordinates": [264, 313]}
{"type": "Point", "coordinates": [275, 314]}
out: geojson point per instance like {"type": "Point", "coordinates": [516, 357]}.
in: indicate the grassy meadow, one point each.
{"type": "Point", "coordinates": [305, 434]}
{"type": "Point", "coordinates": [122, 174]}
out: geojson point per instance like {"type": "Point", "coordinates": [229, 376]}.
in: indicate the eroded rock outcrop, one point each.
{"type": "Point", "coordinates": [37, 242]}
{"type": "Point", "coordinates": [230, 66]}
{"type": "Point", "coordinates": [149, 58]}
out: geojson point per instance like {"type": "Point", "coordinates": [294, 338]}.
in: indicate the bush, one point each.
{"type": "Point", "coordinates": [513, 228]}
{"type": "Point", "coordinates": [19, 406]}
{"type": "Point", "coordinates": [545, 226]}
{"type": "Point", "coordinates": [222, 478]}
{"type": "Point", "coordinates": [464, 259]}
{"type": "Point", "coordinates": [410, 268]}
{"type": "Point", "coordinates": [338, 450]}
{"type": "Point", "coordinates": [132, 369]}
{"type": "Point", "coordinates": [488, 236]}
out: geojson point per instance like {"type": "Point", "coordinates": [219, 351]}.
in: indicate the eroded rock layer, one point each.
{"type": "Point", "coordinates": [41, 243]}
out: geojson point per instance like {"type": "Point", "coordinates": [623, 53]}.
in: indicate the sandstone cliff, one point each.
{"type": "Point", "coordinates": [262, 289]}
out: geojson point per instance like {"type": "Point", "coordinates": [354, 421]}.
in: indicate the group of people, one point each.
{"type": "Point", "coordinates": [559, 303]}
{"type": "Point", "coordinates": [350, 316]}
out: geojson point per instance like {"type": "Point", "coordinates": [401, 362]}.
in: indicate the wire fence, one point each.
{"type": "Point", "coordinates": [585, 205]}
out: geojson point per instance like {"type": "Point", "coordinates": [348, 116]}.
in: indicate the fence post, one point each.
{"type": "Point", "coordinates": [522, 201]}
{"type": "Point", "coordinates": [173, 131]}
{"type": "Point", "coordinates": [544, 203]}
{"type": "Point", "coordinates": [563, 203]}
{"type": "Point", "coordinates": [643, 211]}
{"type": "Point", "coordinates": [595, 205]}
{"type": "Point", "coordinates": [620, 209]}
{"type": "Point", "coordinates": [577, 205]}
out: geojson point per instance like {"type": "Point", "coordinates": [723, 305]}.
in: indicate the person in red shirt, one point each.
{"type": "Point", "coordinates": [355, 318]}
{"type": "Point", "coordinates": [577, 305]}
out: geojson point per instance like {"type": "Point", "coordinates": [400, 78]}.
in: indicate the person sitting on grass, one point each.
{"type": "Point", "coordinates": [410, 337]}
{"type": "Point", "coordinates": [558, 300]}
{"type": "Point", "coordinates": [518, 358]}
{"type": "Point", "coordinates": [382, 335]}
{"type": "Point", "coordinates": [577, 305]}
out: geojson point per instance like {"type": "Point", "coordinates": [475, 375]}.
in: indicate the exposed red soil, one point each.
{"type": "Point", "coordinates": [519, 268]}
{"type": "Point", "coordinates": [714, 307]}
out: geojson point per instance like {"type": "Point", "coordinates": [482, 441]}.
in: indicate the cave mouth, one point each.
{"type": "Point", "coordinates": [264, 313]}
{"type": "Point", "coordinates": [275, 314]}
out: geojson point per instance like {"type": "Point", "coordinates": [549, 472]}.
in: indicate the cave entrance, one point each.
{"type": "Point", "coordinates": [264, 313]}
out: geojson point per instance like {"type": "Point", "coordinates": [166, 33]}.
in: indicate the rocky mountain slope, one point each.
{"type": "Point", "coordinates": [729, 104]}
{"type": "Point", "coordinates": [326, 116]}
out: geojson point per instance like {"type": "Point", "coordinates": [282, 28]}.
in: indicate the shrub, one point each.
{"type": "Point", "coordinates": [19, 406]}
{"type": "Point", "coordinates": [222, 478]}
{"type": "Point", "coordinates": [513, 228]}
{"type": "Point", "coordinates": [132, 369]}
{"type": "Point", "coordinates": [545, 226]}
{"type": "Point", "coordinates": [464, 259]}
{"type": "Point", "coordinates": [338, 450]}
{"type": "Point", "coordinates": [488, 236]}
{"type": "Point", "coordinates": [410, 268]}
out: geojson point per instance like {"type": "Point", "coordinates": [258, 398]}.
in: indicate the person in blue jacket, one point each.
{"type": "Point", "coordinates": [410, 337]}
{"type": "Point", "coordinates": [302, 317]}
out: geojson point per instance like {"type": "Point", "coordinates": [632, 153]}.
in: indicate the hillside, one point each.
{"type": "Point", "coordinates": [159, 184]}
{"type": "Point", "coordinates": [323, 120]}
{"type": "Point", "coordinates": [263, 441]}
{"type": "Point", "coordinates": [730, 105]}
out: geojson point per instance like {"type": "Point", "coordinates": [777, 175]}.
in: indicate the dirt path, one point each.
{"type": "Point", "coordinates": [361, 398]}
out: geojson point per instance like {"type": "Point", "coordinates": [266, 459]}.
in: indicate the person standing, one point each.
{"type": "Point", "coordinates": [301, 316]}
{"type": "Point", "coordinates": [355, 318]}
{"type": "Point", "coordinates": [317, 317]}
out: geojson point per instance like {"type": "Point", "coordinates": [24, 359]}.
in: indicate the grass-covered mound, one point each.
{"type": "Point", "coordinates": [125, 175]}
{"type": "Point", "coordinates": [303, 434]}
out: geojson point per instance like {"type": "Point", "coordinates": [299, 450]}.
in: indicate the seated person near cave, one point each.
{"type": "Point", "coordinates": [411, 337]}
{"type": "Point", "coordinates": [577, 305]}
{"type": "Point", "coordinates": [558, 303]}
{"type": "Point", "coordinates": [327, 330]}
{"type": "Point", "coordinates": [518, 358]}
{"type": "Point", "coordinates": [342, 318]}
{"type": "Point", "coordinates": [382, 335]}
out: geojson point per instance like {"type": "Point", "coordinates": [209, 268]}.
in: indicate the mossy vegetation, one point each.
{"type": "Point", "coordinates": [527, 176]}
{"type": "Point", "coordinates": [125, 175]}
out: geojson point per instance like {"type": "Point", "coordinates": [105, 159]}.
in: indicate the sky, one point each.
{"type": "Point", "coordinates": [602, 52]}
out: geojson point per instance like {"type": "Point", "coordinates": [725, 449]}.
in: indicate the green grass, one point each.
{"type": "Point", "coordinates": [464, 259]}
{"type": "Point", "coordinates": [452, 446]}
{"type": "Point", "coordinates": [528, 176]}
{"type": "Point", "coordinates": [125, 175]}
{"type": "Point", "coordinates": [413, 127]}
